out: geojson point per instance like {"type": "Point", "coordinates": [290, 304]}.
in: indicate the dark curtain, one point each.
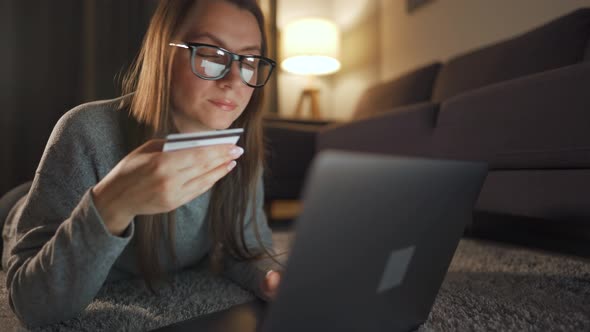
{"type": "Point", "coordinates": [54, 56]}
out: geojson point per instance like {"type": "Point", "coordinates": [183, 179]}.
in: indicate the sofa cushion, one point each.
{"type": "Point", "coordinates": [557, 194]}
{"type": "Point", "coordinates": [403, 131]}
{"type": "Point", "coordinates": [558, 43]}
{"type": "Point", "coordinates": [538, 122]}
{"type": "Point", "coordinates": [412, 87]}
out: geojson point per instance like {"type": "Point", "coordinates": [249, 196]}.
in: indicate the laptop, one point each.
{"type": "Point", "coordinates": [372, 246]}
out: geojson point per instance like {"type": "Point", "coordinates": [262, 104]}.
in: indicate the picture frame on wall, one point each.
{"type": "Point", "coordinates": [413, 5]}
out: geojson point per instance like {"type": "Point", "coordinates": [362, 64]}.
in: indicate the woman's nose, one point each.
{"type": "Point", "coordinates": [233, 75]}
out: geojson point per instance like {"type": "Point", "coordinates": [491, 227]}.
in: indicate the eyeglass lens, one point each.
{"type": "Point", "coordinates": [211, 62]}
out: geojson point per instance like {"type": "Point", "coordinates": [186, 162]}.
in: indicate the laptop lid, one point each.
{"type": "Point", "coordinates": [374, 241]}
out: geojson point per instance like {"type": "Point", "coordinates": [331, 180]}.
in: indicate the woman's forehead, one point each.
{"type": "Point", "coordinates": [223, 23]}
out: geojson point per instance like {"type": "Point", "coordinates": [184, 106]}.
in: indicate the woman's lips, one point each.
{"type": "Point", "coordinates": [224, 104]}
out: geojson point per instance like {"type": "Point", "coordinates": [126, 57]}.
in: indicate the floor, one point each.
{"type": "Point", "coordinates": [283, 210]}
{"type": "Point", "coordinates": [564, 238]}
{"type": "Point", "coordinates": [489, 286]}
{"type": "Point", "coordinates": [522, 280]}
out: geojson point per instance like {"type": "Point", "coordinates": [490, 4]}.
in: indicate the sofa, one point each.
{"type": "Point", "coordinates": [522, 105]}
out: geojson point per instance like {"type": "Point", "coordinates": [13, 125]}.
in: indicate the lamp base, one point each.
{"type": "Point", "coordinates": [314, 96]}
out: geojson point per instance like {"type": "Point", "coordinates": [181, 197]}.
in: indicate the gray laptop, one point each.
{"type": "Point", "coordinates": [372, 246]}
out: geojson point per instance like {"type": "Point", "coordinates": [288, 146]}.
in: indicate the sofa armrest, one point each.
{"type": "Point", "coordinates": [538, 121]}
{"type": "Point", "coordinates": [403, 130]}
{"type": "Point", "coordinates": [296, 121]}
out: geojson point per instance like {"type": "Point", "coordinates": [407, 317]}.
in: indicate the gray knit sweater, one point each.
{"type": "Point", "coordinates": [59, 252]}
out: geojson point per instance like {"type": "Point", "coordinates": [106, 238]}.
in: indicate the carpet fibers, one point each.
{"type": "Point", "coordinates": [489, 287]}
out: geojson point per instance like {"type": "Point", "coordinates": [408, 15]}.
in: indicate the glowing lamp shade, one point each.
{"type": "Point", "coordinates": [311, 46]}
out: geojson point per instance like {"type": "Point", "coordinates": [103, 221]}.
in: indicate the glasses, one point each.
{"type": "Point", "coordinates": [212, 63]}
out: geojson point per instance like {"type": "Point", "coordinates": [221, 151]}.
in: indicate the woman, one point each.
{"type": "Point", "coordinates": [106, 202]}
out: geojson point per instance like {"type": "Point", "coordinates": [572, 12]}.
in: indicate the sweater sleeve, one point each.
{"type": "Point", "coordinates": [249, 274]}
{"type": "Point", "coordinates": [62, 251]}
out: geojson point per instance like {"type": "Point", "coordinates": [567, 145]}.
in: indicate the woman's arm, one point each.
{"type": "Point", "coordinates": [62, 252]}
{"type": "Point", "coordinates": [75, 224]}
{"type": "Point", "coordinates": [251, 274]}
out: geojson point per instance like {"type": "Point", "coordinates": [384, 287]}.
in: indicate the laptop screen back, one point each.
{"type": "Point", "coordinates": [374, 241]}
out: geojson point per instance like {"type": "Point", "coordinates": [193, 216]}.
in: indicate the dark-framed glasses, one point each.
{"type": "Point", "coordinates": [211, 63]}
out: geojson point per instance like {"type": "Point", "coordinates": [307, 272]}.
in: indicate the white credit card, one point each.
{"type": "Point", "coordinates": [203, 138]}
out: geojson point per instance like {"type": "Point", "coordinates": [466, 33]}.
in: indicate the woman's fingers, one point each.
{"type": "Point", "coordinates": [154, 181]}
{"type": "Point", "coordinates": [198, 185]}
{"type": "Point", "coordinates": [205, 158]}
{"type": "Point", "coordinates": [270, 284]}
{"type": "Point", "coordinates": [194, 171]}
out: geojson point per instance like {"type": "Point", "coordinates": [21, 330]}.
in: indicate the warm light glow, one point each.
{"type": "Point", "coordinates": [311, 65]}
{"type": "Point", "coordinates": [311, 46]}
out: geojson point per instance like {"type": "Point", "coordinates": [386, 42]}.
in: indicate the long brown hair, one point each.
{"type": "Point", "coordinates": [147, 90]}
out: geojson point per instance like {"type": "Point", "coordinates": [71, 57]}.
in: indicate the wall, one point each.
{"type": "Point", "coordinates": [444, 28]}
{"type": "Point", "coordinates": [360, 56]}
{"type": "Point", "coordinates": [380, 40]}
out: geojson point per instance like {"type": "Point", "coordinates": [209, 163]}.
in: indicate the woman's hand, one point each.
{"type": "Point", "coordinates": [149, 181]}
{"type": "Point", "coordinates": [270, 284]}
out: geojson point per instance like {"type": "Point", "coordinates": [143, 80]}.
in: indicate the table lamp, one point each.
{"type": "Point", "coordinates": [310, 47]}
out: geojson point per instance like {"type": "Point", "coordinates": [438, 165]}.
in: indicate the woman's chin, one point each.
{"type": "Point", "coordinates": [218, 121]}
{"type": "Point", "coordinates": [219, 125]}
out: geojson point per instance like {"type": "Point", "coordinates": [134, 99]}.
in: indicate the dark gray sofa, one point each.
{"type": "Point", "coordinates": [522, 105]}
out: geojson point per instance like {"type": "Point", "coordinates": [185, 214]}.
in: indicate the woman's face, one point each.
{"type": "Point", "coordinates": [199, 104]}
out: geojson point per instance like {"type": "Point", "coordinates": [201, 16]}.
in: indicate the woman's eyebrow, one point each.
{"type": "Point", "coordinates": [220, 43]}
